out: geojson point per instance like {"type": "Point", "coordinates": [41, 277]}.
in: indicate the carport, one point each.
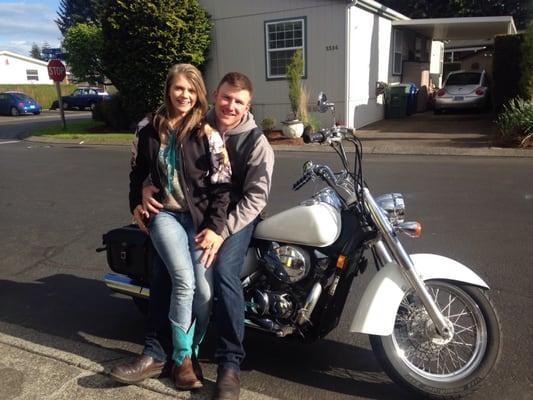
{"type": "Point", "coordinates": [472, 34]}
{"type": "Point", "coordinates": [446, 29]}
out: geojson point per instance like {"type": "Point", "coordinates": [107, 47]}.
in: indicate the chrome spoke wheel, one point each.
{"type": "Point", "coordinates": [424, 351]}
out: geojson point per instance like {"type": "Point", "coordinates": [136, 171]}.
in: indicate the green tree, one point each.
{"type": "Point", "coordinates": [518, 9]}
{"type": "Point", "coordinates": [72, 12]}
{"type": "Point", "coordinates": [143, 39]}
{"type": "Point", "coordinates": [84, 44]}
{"type": "Point", "coordinates": [35, 51]}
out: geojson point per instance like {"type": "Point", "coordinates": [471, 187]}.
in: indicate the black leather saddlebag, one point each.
{"type": "Point", "coordinates": [129, 252]}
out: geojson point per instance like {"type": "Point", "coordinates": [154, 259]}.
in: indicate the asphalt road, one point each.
{"type": "Point", "coordinates": [57, 200]}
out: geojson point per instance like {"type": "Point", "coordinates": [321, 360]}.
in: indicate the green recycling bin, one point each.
{"type": "Point", "coordinates": [396, 101]}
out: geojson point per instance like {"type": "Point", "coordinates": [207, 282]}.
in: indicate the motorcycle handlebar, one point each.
{"type": "Point", "coordinates": [322, 135]}
{"type": "Point", "coordinates": [313, 137]}
{"type": "Point", "coordinates": [302, 181]}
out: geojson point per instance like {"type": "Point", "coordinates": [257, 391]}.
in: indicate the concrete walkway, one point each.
{"type": "Point", "coordinates": [459, 134]}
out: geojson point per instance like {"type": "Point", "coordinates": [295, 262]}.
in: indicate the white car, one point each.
{"type": "Point", "coordinates": [463, 90]}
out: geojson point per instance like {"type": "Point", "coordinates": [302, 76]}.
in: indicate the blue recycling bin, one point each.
{"type": "Point", "coordinates": [412, 92]}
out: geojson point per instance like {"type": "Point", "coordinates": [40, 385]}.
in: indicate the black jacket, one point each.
{"type": "Point", "coordinates": [207, 202]}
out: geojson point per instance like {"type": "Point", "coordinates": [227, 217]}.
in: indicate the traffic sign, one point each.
{"type": "Point", "coordinates": [56, 70]}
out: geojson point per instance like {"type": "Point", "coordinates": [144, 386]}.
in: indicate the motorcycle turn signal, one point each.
{"type": "Point", "coordinates": [411, 228]}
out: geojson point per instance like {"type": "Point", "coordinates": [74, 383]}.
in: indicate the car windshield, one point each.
{"type": "Point", "coordinates": [467, 78]}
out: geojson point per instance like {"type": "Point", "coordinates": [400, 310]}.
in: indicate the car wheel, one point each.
{"type": "Point", "coordinates": [15, 112]}
{"type": "Point", "coordinates": [36, 113]}
{"type": "Point", "coordinates": [437, 111]}
{"type": "Point", "coordinates": [92, 106]}
{"type": "Point", "coordinates": [65, 105]}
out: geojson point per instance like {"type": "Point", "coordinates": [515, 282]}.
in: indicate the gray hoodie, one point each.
{"type": "Point", "coordinates": [257, 172]}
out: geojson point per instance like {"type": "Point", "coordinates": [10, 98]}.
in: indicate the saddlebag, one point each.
{"type": "Point", "coordinates": [129, 252]}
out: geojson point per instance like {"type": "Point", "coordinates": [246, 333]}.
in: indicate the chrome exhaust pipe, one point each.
{"type": "Point", "coordinates": [125, 285]}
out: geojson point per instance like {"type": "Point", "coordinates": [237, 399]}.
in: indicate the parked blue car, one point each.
{"type": "Point", "coordinates": [16, 103]}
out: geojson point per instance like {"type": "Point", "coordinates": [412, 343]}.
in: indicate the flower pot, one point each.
{"type": "Point", "coordinates": [292, 129]}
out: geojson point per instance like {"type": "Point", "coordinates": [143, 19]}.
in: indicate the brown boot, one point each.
{"type": "Point", "coordinates": [184, 376]}
{"type": "Point", "coordinates": [197, 368]}
{"type": "Point", "coordinates": [143, 367]}
{"type": "Point", "coordinates": [228, 385]}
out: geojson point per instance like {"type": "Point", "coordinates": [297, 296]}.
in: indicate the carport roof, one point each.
{"type": "Point", "coordinates": [444, 29]}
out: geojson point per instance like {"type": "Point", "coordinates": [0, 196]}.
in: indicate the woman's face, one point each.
{"type": "Point", "coordinates": [182, 95]}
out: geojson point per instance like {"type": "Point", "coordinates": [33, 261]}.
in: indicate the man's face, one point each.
{"type": "Point", "coordinates": [231, 104]}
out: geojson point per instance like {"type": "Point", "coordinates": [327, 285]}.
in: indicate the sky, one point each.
{"type": "Point", "coordinates": [24, 22]}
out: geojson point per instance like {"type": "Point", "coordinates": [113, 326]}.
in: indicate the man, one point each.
{"type": "Point", "coordinates": [252, 161]}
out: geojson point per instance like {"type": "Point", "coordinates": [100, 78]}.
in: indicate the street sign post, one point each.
{"type": "Point", "coordinates": [57, 72]}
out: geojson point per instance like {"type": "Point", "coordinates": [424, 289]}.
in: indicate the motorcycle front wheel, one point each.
{"type": "Point", "coordinates": [416, 357]}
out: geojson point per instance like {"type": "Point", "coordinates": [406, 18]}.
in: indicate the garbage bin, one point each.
{"type": "Point", "coordinates": [396, 101]}
{"type": "Point", "coordinates": [411, 98]}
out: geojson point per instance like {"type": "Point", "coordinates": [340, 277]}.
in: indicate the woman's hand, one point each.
{"type": "Point", "coordinates": [139, 216]}
{"type": "Point", "coordinates": [210, 242]}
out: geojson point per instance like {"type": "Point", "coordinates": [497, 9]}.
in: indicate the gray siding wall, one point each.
{"type": "Point", "coordinates": [238, 44]}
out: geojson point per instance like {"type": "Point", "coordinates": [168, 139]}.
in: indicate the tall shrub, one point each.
{"type": "Point", "coordinates": [527, 61]}
{"type": "Point", "coordinates": [143, 39]}
{"type": "Point", "coordinates": [295, 70]}
{"type": "Point", "coordinates": [507, 72]}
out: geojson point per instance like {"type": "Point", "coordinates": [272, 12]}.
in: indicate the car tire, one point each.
{"type": "Point", "coordinates": [65, 105]}
{"type": "Point", "coordinates": [92, 106]}
{"type": "Point", "coordinates": [14, 112]}
{"type": "Point", "coordinates": [437, 111]}
{"type": "Point", "coordinates": [36, 113]}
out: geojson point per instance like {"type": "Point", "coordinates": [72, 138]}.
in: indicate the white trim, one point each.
{"type": "Point", "coordinates": [380, 9]}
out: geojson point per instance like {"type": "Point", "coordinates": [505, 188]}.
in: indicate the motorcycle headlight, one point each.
{"type": "Point", "coordinates": [286, 263]}
{"type": "Point", "coordinates": [393, 207]}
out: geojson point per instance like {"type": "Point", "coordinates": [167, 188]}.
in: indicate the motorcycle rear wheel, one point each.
{"type": "Point", "coordinates": [421, 361]}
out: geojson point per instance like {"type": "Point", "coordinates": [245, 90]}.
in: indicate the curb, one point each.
{"type": "Point", "coordinates": [379, 149]}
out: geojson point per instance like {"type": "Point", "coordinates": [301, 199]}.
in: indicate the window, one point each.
{"type": "Point", "coordinates": [397, 57]}
{"type": "Point", "coordinates": [32, 75]}
{"type": "Point", "coordinates": [282, 39]}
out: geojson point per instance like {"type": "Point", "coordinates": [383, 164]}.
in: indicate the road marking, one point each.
{"type": "Point", "coordinates": [11, 141]}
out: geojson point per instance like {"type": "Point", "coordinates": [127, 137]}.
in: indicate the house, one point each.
{"type": "Point", "coordinates": [349, 47]}
{"type": "Point", "coordinates": [18, 69]}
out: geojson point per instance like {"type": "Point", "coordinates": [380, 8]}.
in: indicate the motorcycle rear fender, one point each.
{"type": "Point", "coordinates": [379, 304]}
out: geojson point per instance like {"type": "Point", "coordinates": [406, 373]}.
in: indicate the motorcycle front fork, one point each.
{"type": "Point", "coordinates": [388, 249]}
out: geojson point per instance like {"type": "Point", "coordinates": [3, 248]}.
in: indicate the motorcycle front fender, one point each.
{"type": "Point", "coordinates": [379, 304]}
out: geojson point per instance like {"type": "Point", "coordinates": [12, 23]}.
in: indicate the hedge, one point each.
{"type": "Point", "coordinates": [44, 94]}
{"type": "Point", "coordinates": [507, 71]}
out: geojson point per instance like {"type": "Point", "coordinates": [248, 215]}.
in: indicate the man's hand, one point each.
{"type": "Point", "coordinates": [139, 215]}
{"type": "Point", "coordinates": [210, 242]}
{"type": "Point", "coordinates": [150, 204]}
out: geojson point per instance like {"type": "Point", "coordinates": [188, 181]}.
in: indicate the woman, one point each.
{"type": "Point", "coordinates": [174, 150]}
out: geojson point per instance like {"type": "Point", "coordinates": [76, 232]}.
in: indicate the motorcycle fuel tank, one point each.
{"type": "Point", "coordinates": [317, 225]}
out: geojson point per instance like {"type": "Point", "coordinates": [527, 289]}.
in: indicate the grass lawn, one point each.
{"type": "Point", "coordinates": [84, 130]}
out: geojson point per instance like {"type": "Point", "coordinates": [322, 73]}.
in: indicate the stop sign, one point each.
{"type": "Point", "coordinates": [56, 70]}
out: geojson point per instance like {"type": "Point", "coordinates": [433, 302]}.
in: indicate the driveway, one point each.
{"type": "Point", "coordinates": [459, 129]}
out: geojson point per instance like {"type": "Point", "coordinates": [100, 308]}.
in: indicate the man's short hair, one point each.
{"type": "Point", "coordinates": [237, 80]}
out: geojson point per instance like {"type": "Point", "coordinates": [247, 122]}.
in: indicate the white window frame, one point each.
{"type": "Point", "coordinates": [397, 51]}
{"type": "Point", "coordinates": [32, 74]}
{"type": "Point", "coordinates": [269, 51]}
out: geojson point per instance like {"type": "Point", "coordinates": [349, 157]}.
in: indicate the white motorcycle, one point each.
{"type": "Point", "coordinates": [431, 324]}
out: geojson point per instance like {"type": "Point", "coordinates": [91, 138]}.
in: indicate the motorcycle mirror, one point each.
{"type": "Point", "coordinates": [322, 103]}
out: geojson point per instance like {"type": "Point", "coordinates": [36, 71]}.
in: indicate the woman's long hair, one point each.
{"type": "Point", "coordinates": [195, 115]}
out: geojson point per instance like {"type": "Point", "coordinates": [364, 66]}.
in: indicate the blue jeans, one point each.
{"type": "Point", "coordinates": [229, 304]}
{"type": "Point", "coordinates": [176, 261]}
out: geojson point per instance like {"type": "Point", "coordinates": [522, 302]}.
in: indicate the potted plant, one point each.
{"type": "Point", "coordinates": [293, 127]}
